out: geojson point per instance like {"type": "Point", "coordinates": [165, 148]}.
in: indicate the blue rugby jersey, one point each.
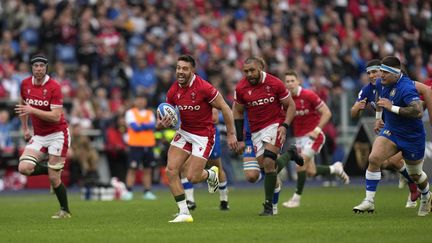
{"type": "Point", "coordinates": [401, 93]}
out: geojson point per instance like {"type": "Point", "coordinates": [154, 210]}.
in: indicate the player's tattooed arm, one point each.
{"type": "Point", "coordinates": [413, 110]}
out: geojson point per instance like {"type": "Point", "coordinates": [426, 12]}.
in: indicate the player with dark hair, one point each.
{"type": "Point", "coordinates": [42, 102]}
{"type": "Point", "coordinates": [193, 142]}
{"type": "Point", "coordinates": [403, 131]}
{"type": "Point", "coordinates": [366, 96]}
{"type": "Point", "coordinates": [263, 96]}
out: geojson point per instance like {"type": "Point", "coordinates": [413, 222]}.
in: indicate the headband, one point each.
{"type": "Point", "coordinates": [390, 69]}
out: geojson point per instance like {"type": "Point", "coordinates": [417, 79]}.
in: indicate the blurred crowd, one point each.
{"type": "Point", "coordinates": [104, 52]}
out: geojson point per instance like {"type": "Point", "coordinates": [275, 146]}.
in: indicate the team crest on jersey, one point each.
{"type": "Point", "coordinates": [178, 95]}
{"type": "Point", "coordinates": [393, 92]}
{"type": "Point", "coordinates": [28, 91]}
{"type": "Point", "coordinates": [267, 88]}
{"type": "Point", "coordinates": [177, 137]}
{"type": "Point", "coordinates": [249, 92]}
{"type": "Point", "coordinates": [193, 95]}
{"type": "Point", "coordinates": [45, 92]}
{"type": "Point", "coordinates": [387, 132]}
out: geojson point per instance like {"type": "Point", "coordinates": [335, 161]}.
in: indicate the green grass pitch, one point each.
{"type": "Point", "coordinates": [325, 216]}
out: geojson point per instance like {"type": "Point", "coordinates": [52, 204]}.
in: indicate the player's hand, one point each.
{"type": "Point", "coordinates": [27, 135]}
{"type": "Point", "coordinates": [379, 124]}
{"type": "Point", "coordinates": [282, 134]}
{"type": "Point", "coordinates": [361, 104]}
{"type": "Point", "coordinates": [312, 135]}
{"type": "Point", "coordinates": [240, 147]}
{"type": "Point", "coordinates": [385, 103]}
{"type": "Point", "coordinates": [232, 142]}
{"type": "Point", "coordinates": [165, 122]}
{"type": "Point", "coordinates": [23, 109]}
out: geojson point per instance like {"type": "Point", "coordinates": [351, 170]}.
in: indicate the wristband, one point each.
{"type": "Point", "coordinates": [378, 115]}
{"type": "Point", "coordinates": [239, 129]}
{"type": "Point", "coordinates": [395, 109]}
{"type": "Point", "coordinates": [317, 130]}
{"type": "Point", "coordinates": [285, 125]}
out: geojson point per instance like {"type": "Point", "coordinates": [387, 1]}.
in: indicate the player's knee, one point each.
{"type": "Point", "coordinates": [26, 164]}
{"type": "Point", "coordinates": [172, 172]}
{"type": "Point", "coordinates": [310, 173]}
{"type": "Point", "coordinates": [194, 179]}
{"type": "Point", "coordinates": [416, 172]}
{"type": "Point", "coordinates": [252, 176]}
{"type": "Point", "coordinates": [374, 160]}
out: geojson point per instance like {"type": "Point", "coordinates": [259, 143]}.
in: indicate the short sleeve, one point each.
{"type": "Point", "coordinates": [315, 100]}
{"type": "Point", "coordinates": [57, 97]}
{"type": "Point", "coordinates": [209, 91]}
{"type": "Point", "coordinates": [410, 94]}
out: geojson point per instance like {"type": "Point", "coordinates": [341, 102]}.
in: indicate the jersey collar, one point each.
{"type": "Point", "coordinates": [299, 89]}
{"type": "Point", "coordinates": [47, 77]}
{"type": "Point", "coordinates": [264, 75]}
{"type": "Point", "coordinates": [191, 82]}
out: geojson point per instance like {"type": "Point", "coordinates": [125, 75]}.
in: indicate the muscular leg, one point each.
{"type": "Point", "coordinates": [269, 157]}
{"type": "Point", "coordinates": [397, 163]}
{"type": "Point", "coordinates": [176, 159]}
{"type": "Point", "coordinates": [223, 189]}
{"type": "Point", "coordinates": [382, 149]}
{"type": "Point", "coordinates": [55, 164]}
{"type": "Point", "coordinates": [30, 165]}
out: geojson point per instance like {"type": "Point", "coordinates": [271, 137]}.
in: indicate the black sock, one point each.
{"type": "Point", "coordinates": [269, 185]}
{"type": "Point", "coordinates": [301, 180]}
{"type": "Point", "coordinates": [180, 198]}
{"type": "Point", "coordinates": [60, 192]}
{"type": "Point", "coordinates": [282, 161]}
{"type": "Point", "coordinates": [41, 168]}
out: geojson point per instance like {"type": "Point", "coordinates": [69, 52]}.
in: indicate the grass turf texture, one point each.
{"type": "Point", "coordinates": [325, 216]}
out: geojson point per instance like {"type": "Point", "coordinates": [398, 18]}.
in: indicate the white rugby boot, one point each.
{"type": "Point", "coordinates": [339, 171]}
{"type": "Point", "coordinates": [213, 180]}
{"type": "Point", "coordinates": [425, 205]}
{"type": "Point", "coordinates": [365, 206]}
{"type": "Point", "coordinates": [294, 201]}
{"type": "Point", "coordinates": [182, 218]}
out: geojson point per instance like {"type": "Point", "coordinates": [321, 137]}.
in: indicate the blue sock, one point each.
{"type": "Point", "coordinates": [372, 180]}
{"type": "Point", "coordinates": [186, 184]}
{"type": "Point", "coordinates": [223, 185]}
{"type": "Point", "coordinates": [276, 195]}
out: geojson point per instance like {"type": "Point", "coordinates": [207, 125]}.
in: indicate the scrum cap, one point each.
{"type": "Point", "coordinates": [39, 58]}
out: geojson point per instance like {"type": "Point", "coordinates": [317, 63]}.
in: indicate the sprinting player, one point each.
{"type": "Point", "coordinates": [366, 96]}
{"type": "Point", "coordinates": [312, 114]}
{"type": "Point", "coordinates": [254, 172]}
{"type": "Point", "coordinates": [263, 96]}
{"type": "Point", "coordinates": [42, 101]}
{"type": "Point", "coordinates": [403, 131]}
{"type": "Point", "coordinates": [194, 140]}
{"type": "Point", "coordinates": [140, 122]}
{"type": "Point", "coordinates": [213, 160]}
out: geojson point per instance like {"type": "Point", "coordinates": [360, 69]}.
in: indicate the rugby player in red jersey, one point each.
{"type": "Point", "coordinates": [42, 102]}
{"type": "Point", "coordinates": [312, 115]}
{"type": "Point", "coordinates": [193, 142]}
{"type": "Point", "coordinates": [263, 96]}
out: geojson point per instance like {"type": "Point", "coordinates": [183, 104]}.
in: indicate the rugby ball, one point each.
{"type": "Point", "coordinates": [165, 109]}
